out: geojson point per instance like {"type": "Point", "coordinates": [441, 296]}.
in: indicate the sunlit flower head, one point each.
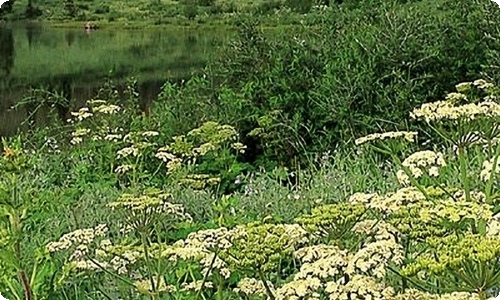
{"type": "Point", "coordinates": [107, 109]}
{"type": "Point", "coordinates": [408, 136]}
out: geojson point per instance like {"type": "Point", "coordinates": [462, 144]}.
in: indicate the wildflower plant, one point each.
{"type": "Point", "coordinates": [149, 213]}
{"type": "Point", "coordinates": [435, 236]}
{"type": "Point", "coordinates": [135, 160]}
{"type": "Point", "coordinates": [333, 221]}
{"type": "Point", "coordinates": [206, 156]}
{"type": "Point", "coordinates": [444, 228]}
{"type": "Point", "coordinates": [137, 261]}
{"type": "Point", "coordinates": [94, 133]}
{"type": "Point", "coordinates": [23, 272]}
{"type": "Point", "coordinates": [104, 132]}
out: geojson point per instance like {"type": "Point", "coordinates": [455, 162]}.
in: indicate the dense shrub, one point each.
{"type": "Point", "coordinates": [102, 9]}
{"type": "Point", "coordinates": [190, 9]}
{"type": "Point", "coordinates": [268, 7]}
{"type": "Point", "coordinates": [355, 71]}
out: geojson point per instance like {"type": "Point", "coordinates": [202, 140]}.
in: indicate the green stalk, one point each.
{"type": "Point", "coordinates": [404, 282]}
{"type": "Point", "coordinates": [463, 172]}
{"type": "Point", "coordinates": [157, 169]}
{"type": "Point", "coordinates": [489, 184]}
{"type": "Point", "coordinates": [410, 176]}
{"type": "Point", "coordinates": [266, 286]}
{"type": "Point", "coordinates": [148, 265]}
{"type": "Point", "coordinates": [205, 277]}
{"type": "Point", "coordinates": [465, 180]}
{"type": "Point", "coordinates": [220, 288]}
{"type": "Point", "coordinates": [482, 295]}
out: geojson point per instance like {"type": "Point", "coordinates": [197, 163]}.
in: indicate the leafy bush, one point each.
{"type": "Point", "coordinates": [300, 6]}
{"type": "Point", "coordinates": [298, 93]}
{"type": "Point", "coordinates": [190, 9]}
{"type": "Point", "coordinates": [102, 9]}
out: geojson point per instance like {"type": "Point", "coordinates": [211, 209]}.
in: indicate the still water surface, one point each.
{"type": "Point", "coordinates": [79, 62]}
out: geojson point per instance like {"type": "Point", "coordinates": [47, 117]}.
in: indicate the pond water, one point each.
{"type": "Point", "coordinates": [78, 62]}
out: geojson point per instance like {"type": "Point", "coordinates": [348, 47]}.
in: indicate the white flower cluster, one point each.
{"type": "Point", "coordinates": [420, 163]}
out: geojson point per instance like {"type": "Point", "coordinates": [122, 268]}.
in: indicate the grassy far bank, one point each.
{"type": "Point", "coordinates": [220, 27]}
{"type": "Point", "coordinates": [244, 182]}
{"type": "Point", "coordinates": [157, 13]}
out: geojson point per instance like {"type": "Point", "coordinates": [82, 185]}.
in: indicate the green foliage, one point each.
{"type": "Point", "coordinates": [171, 205]}
{"type": "Point", "coordinates": [6, 8]}
{"type": "Point", "coordinates": [300, 6]}
{"type": "Point", "coordinates": [32, 11]}
{"type": "Point", "coordinates": [102, 9]}
{"type": "Point", "coordinates": [268, 7]}
{"type": "Point", "coordinates": [190, 9]}
{"type": "Point", "coordinates": [151, 236]}
{"type": "Point", "coordinates": [206, 2]}
{"type": "Point", "coordinates": [71, 8]}
{"type": "Point", "coordinates": [302, 90]}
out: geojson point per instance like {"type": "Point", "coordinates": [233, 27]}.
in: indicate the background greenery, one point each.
{"type": "Point", "coordinates": [156, 11]}
{"type": "Point", "coordinates": [359, 70]}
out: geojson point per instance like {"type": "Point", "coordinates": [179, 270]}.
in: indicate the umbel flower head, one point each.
{"type": "Point", "coordinates": [457, 106]}
{"type": "Point", "coordinates": [420, 163]}
{"type": "Point", "coordinates": [262, 246]}
{"type": "Point", "coordinates": [461, 256]}
{"type": "Point", "coordinates": [142, 211]}
{"type": "Point", "coordinates": [252, 286]}
{"type": "Point", "coordinates": [406, 135]}
{"type": "Point", "coordinates": [332, 219]}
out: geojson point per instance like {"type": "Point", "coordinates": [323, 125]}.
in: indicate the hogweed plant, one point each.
{"type": "Point", "coordinates": [206, 156]}
{"type": "Point", "coordinates": [135, 261]}
{"type": "Point", "coordinates": [458, 251]}
{"type": "Point", "coordinates": [23, 274]}
{"type": "Point", "coordinates": [434, 237]}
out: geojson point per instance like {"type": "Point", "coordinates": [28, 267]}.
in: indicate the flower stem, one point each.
{"type": "Point", "coordinates": [266, 286]}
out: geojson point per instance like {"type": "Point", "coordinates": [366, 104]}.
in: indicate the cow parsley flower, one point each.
{"type": "Point", "coordinates": [409, 136]}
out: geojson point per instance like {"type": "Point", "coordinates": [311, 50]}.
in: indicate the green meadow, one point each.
{"type": "Point", "coordinates": [351, 152]}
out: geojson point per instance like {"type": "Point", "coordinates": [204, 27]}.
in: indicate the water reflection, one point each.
{"type": "Point", "coordinates": [76, 64]}
{"type": "Point", "coordinates": [6, 52]}
{"type": "Point", "coordinates": [33, 32]}
{"type": "Point", "coordinates": [70, 38]}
